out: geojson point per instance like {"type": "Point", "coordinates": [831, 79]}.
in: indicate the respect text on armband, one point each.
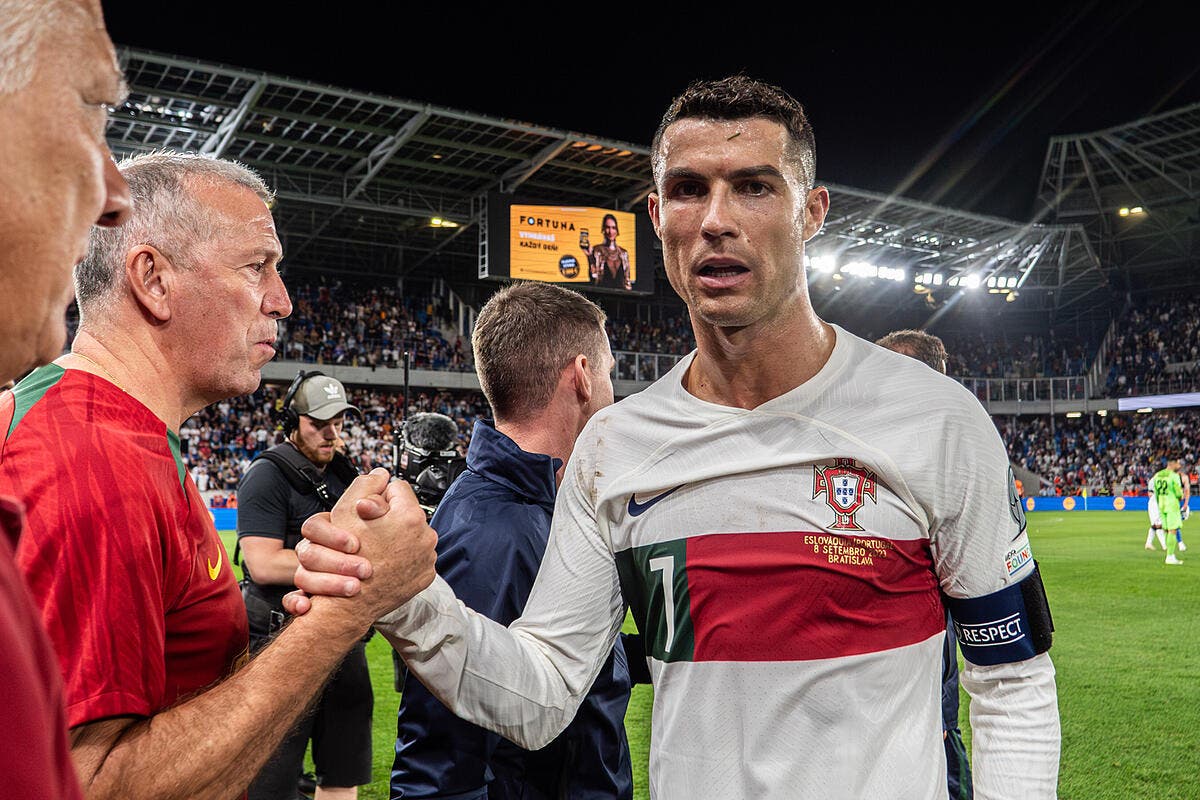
{"type": "Point", "coordinates": [990, 634]}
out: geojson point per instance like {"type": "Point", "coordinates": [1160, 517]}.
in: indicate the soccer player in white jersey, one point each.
{"type": "Point", "coordinates": [1156, 528]}
{"type": "Point", "coordinates": [785, 513]}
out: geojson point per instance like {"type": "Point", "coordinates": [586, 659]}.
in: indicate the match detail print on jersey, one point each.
{"type": "Point", "coordinates": [780, 595]}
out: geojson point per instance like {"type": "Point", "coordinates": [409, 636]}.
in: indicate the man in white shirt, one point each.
{"type": "Point", "coordinates": [783, 513]}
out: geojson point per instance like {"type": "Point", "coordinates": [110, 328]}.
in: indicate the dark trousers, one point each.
{"type": "Point", "coordinates": [339, 725]}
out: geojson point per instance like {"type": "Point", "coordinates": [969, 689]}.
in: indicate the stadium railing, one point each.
{"type": "Point", "coordinates": [643, 366]}
{"type": "Point", "coordinates": [1000, 390]}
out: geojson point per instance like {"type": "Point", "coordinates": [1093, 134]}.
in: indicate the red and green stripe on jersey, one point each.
{"type": "Point", "coordinates": [35, 386]}
{"type": "Point", "coordinates": [780, 595]}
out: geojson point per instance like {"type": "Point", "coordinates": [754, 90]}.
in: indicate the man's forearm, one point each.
{"type": "Point", "coordinates": [1015, 731]}
{"type": "Point", "coordinates": [274, 569]}
{"type": "Point", "coordinates": [508, 680]}
{"type": "Point", "coordinates": [213, 744]}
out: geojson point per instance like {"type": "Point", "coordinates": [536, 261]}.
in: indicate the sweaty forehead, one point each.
{"type": "Point", "coordinates": [735, 142]}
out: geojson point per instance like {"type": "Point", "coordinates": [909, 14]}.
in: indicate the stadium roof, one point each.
{"type": "Point", "coordinates": [361, 177]}
{"type": "Point", "coordinates": [1136, 187]}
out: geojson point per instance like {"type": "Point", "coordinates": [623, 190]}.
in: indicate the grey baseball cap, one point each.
{"type": "Point", "coordinates": [321, 398]}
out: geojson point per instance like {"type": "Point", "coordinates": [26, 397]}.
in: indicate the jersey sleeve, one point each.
{"type": "Point", "coordinates": [262, 502]}
{"type": "Point", "coordinates": [525, 681]}
{"type": "Point", "coordinates": [981, 551]}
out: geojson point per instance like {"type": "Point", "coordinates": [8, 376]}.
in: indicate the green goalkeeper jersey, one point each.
{"type": "Point", "coordinates": [1168, 489]}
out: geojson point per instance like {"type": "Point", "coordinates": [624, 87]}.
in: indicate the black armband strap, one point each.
{"type": "Point", "coordinates": [1010, 625]}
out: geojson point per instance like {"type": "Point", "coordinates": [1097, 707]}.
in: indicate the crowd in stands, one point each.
{"type": "Point", "coordinates": [988, 355]}
{"type": "Point", "coordinates": [370, 326]}
{"type": "Point", "coordinates": [670, 335]}
{"type": "Point", "coordinates": [1155, 349]}
{"type": "Point", "coordinates": [337, 323]}
{"type": "Point", "coordinates": [219, 442]}
{"type": "Point", "coordinates": [980, 354]}
{"type": "Point", "coordinates": [1114, 454]}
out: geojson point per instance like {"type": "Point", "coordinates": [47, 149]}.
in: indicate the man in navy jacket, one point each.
{"type": "Point", "coordinates": [544, 363]}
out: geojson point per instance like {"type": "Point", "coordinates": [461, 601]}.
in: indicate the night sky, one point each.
{"type": "Point", "coordinates": [954, 108]}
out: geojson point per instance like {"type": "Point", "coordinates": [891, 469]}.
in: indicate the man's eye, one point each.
{"type": "Point", "coordinates": [755, 188]}
{"type": "Point", "coordinates": [688, 189]}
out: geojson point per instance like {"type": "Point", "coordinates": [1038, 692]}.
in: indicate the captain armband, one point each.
{"type": "Point", "coordinates": [1010, 625]}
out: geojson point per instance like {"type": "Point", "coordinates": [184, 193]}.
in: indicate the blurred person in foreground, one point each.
{"type": "Point", "coordinates": [178, 309]}
{"type": "Point", "coordinates": [58, 72]}
{"type": "Point", "coordinates": [931, 350]}
{"type": "Point", "coordinates": [783, 513]}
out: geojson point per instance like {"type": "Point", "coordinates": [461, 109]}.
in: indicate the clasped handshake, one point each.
{"type": "Point", "coordinates": [374, 550]}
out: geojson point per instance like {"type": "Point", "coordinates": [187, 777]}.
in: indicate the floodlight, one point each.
{"type": "Point", "coordinates": [1074, 414]}
{"type": "Point", "coordinates": [971, 281]}
{"type": "Point", "coordinates": [823, 263]}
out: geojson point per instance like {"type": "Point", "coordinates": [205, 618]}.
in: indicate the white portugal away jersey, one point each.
{"type": "Point", "coordinates": [784, 566]}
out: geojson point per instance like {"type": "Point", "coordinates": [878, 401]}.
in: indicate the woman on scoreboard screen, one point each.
{"type": "Point", "coordinates": [609, 262]}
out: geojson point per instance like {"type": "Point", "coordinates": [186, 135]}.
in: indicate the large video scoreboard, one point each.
{"type": "Point", "coordinates": [585, 247]}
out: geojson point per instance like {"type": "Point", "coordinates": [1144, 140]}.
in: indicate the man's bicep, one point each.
{"type": "Point", "coordinates": [258, 545]}
{"type": "Point", "coordinates": [263, 502]}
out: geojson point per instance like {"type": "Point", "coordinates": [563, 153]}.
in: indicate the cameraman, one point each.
{"type": "Point", "coordinates": [283, 487]}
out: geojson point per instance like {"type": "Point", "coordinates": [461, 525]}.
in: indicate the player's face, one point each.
{"type": "Point", "coordinates": [733, 215]}
{"type": "Point", "coordinates": [610, 230]}
{"type": "Point", "coordinates": [57, 179]}
{"type": "Point", "coordinates": [317, 440]}
{"type": "Point", "coordinates": [231, 295]}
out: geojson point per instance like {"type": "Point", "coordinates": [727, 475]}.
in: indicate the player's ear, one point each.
{"type": "Point", "coordinates": [652, 205]}
{"type": "Point", "coordinates": [150, 276]}
{"type": "Point", "coordinates": [816, 206]}
{"type": "Point", "coordinates": [582, 379]}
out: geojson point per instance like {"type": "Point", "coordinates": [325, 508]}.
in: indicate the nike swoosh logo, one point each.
{"type": "Point", "coordinates": [213, 572]}
{"type": "Point", "coordinates": [636, 509]}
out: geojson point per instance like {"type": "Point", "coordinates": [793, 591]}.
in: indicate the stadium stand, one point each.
{"type": "Point", "coordinates": [1041, 318]}
{"type": "Point", "coordinates": [1110, 455]}
{"type": "Point", "coordinates": [1156, 350]}
{"type": "Point", "coordinates": [370, 325]}
{"type": "Point", "coordinates": [220, 441]}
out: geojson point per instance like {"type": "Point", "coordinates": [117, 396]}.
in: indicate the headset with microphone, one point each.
{"type": "Point", "coordinates": [289, 420]}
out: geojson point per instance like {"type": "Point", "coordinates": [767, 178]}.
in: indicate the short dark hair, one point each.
{"type": "Point", "coordinates": [524, 335]}
{"type": "Point", "coordinates": [742, 97]}
{"type": "Point", "coordinates": [922, 346]}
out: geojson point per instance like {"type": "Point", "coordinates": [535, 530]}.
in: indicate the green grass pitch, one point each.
{"type": "Point", "coordinates": [1126, 650]}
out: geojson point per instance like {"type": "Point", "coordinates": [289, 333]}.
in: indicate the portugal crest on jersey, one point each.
{"type": "Point", "coordinates": [845, 485]}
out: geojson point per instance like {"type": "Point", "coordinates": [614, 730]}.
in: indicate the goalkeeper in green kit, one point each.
{"type": "Point", "coordinates": [1169, 490]}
